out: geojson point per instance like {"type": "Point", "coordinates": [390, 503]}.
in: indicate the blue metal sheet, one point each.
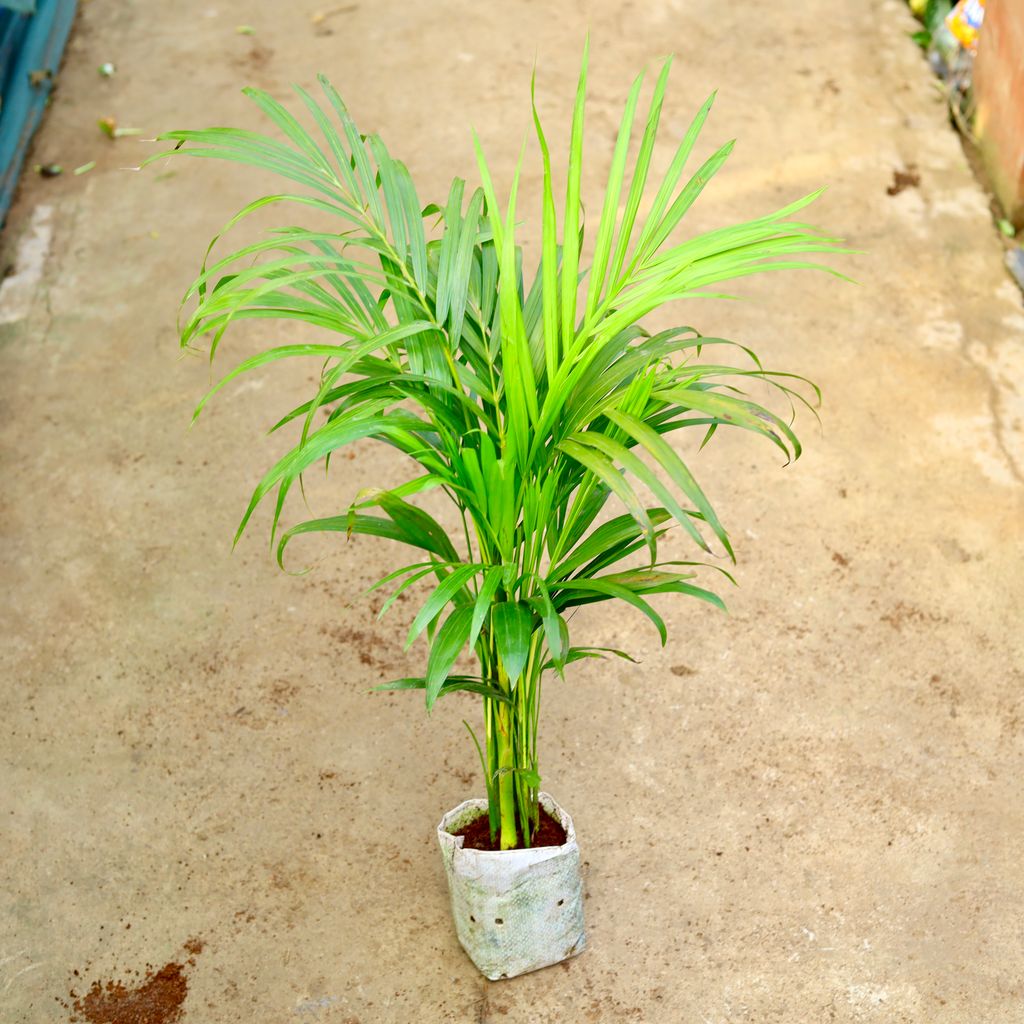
{"type": "Point", "coordinates": [31, 47]}
{"type": "Point", "coordinates": [13, 28]}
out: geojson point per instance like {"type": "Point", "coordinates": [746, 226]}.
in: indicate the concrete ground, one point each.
{"type": "Point", "coordinates": [806, 811]}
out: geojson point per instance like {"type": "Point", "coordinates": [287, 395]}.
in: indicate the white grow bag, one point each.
{"type": "Point", "coordinates": [515, 910]}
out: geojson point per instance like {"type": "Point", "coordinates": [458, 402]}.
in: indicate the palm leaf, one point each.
{"type": "Point", "coordinates": [528, 402]}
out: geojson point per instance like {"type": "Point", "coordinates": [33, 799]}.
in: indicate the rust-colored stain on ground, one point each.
{"type": "Point", "coordinates": [157, 999]}
{"type": "Point", "coordinates": [902, 180]}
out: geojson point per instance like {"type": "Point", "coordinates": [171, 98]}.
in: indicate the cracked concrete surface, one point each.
{"type": "Point", "coordinates": [807, 810]}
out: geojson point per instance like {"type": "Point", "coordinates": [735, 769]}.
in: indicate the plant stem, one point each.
{"type": "Point", "coordinates": [506, 778]}
{"type": "Point", "coordinates": [490, 724]}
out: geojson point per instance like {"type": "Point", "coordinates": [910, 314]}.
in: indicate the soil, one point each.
{"type": "Point", "coordinates": [908, 178]}
{"type": "Point", "coordinates": [158, 999]}
{"type": "Point", "coordinates": [477, 834]}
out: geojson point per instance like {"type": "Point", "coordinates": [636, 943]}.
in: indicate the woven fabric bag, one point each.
{"type": "Point", "coordinates": [515, 910]}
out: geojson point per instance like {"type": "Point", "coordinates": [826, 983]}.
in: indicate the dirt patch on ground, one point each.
{"type": "Point", "coordinates": [158, 999]}
{"type": "Point", "coordinates": [902, 180]}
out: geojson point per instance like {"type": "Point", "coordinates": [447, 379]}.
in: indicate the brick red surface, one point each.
{"type": "Point", "coordinates": [999, 97]}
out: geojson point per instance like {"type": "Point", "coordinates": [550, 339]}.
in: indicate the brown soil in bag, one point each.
{"type": "Point", "coordinates": [477, 834]}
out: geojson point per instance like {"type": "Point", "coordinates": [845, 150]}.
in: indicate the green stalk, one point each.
{"type": "Point", "coordinates": [490, 711]}
{"type": "Point", "coordinates": [506, 773]}
{"type": "Point", "coordinates": [522, 748]}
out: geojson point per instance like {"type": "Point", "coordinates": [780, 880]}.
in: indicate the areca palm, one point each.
{"type": "Point", "coordinates": [531, 403]}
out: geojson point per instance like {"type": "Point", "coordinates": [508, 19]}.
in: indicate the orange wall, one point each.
{"type": "Point", "coordinates": [999, 102]}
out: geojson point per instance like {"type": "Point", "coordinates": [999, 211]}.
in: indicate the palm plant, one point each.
{"type": "Point", "coordinates": [529, 403]}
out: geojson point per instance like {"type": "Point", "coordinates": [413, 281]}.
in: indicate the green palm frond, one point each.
{"type": "Point", "coordinates": [530, 403]}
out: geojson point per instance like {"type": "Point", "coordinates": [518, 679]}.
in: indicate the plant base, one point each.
{"type": "Point", "coordinates": [515, 911]}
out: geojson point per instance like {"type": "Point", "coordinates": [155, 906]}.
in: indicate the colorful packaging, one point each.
{"type": "Point", "coordinates": [964, 21]}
